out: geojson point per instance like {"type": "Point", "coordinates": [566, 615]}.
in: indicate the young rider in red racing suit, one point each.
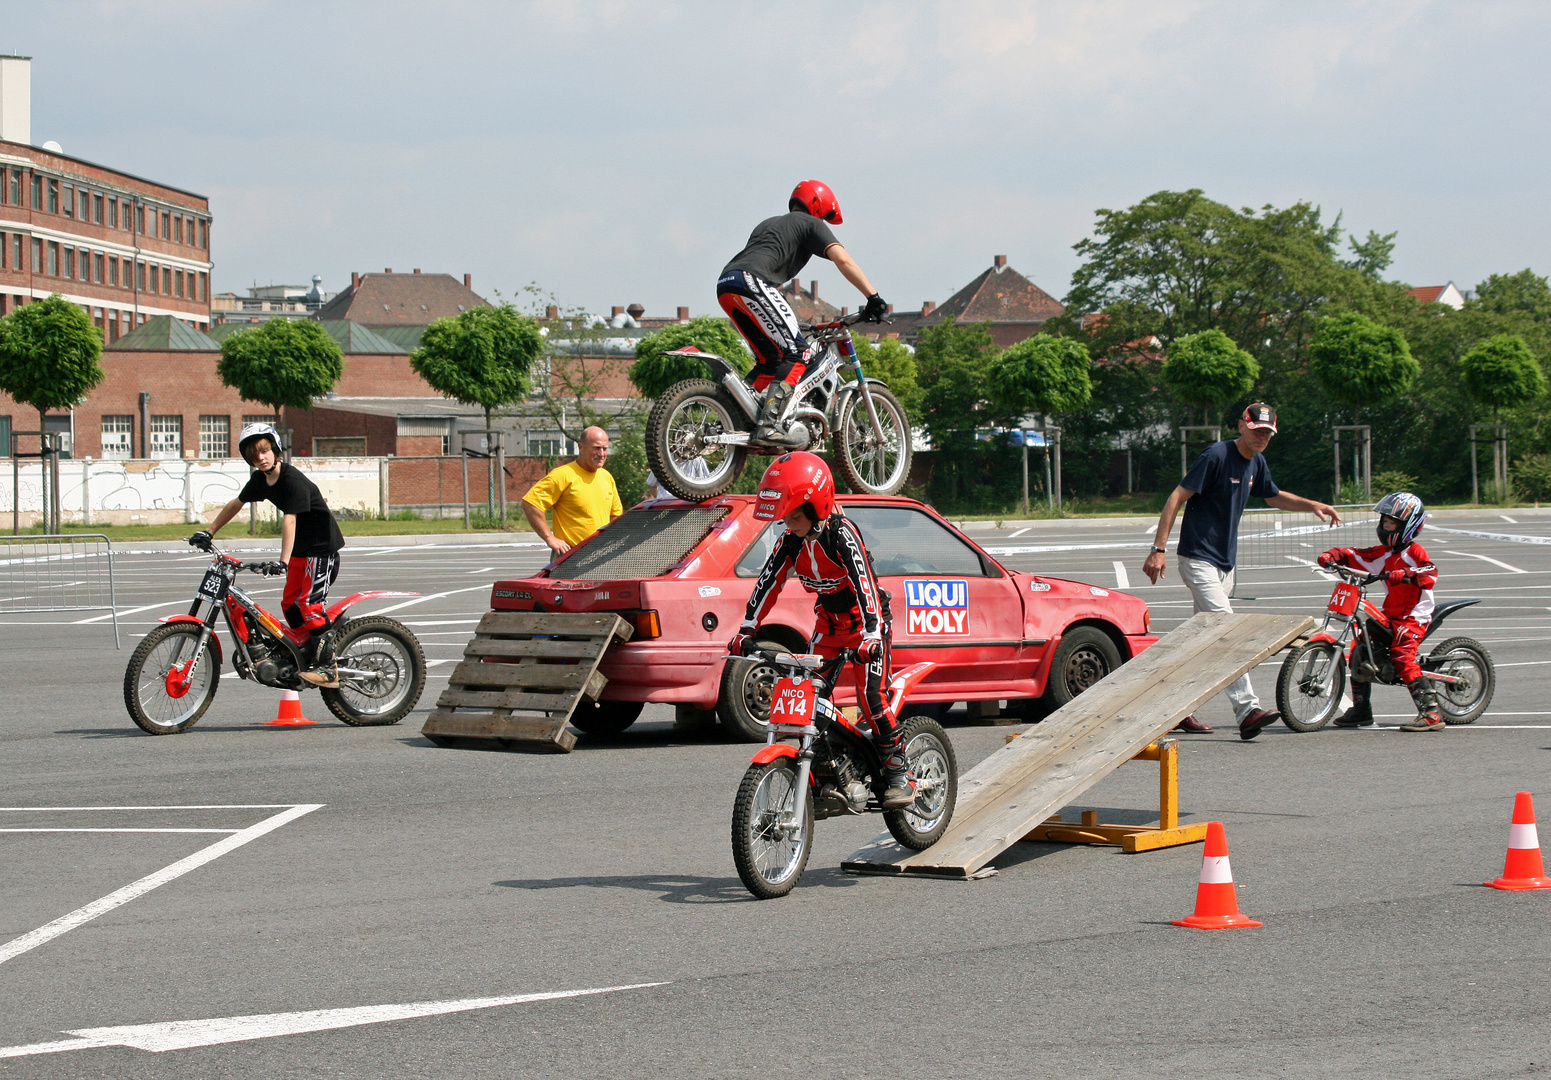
{"type": "Point", "coordinates": [749, 290]}
{"type": "Point", "coordinates": [1409, 576]}
{"type": "Point", "coordinates": [825, 550]}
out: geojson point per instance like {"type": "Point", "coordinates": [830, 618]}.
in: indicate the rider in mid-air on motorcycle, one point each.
{"type": "Point", "coordinates": [749, 290]}
{"type": "Point", "coordinates": [1409, 576]}
{"type": "Point", "coordinates": [825, 550]}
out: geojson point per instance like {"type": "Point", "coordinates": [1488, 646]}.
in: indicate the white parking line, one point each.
{"type": "Point", "coordinates": [65, 923]}
{"type": "Point", "coordinates": [1020, 532]}
{"type": "Point", "coordinates": [226, 831]}
{"type": "Point", "coordinates": [481, 570]}
{"type": "Point", "coordinates": [183, 1034]}
{"type": "Point", "coordinates": [433, 596]}
{"type": "Point", "coordinates": [1508, 519]}
{"type": "Point", "coordinates": [1488, 558]}
{"type": "Point", "coordinates": [132, 611]}
{"type": "Point", "coordinates": [1122, 579]}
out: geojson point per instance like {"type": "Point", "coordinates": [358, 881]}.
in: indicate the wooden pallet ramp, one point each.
{"type": "Point", "coordinates": [1023, 784]}
{"type": "Point", "coordinates": [522, 676]}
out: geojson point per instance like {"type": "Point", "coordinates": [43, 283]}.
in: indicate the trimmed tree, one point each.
{"type": "Point", "coordinates": [1358, 362]}
{"type": "Point", "coordinates": [283, 362]}
{"type": "Point", "coordinates": [481, 357]}
{"type": "Point", "coordinates": [50, 355]}
{"type": "Point", "coordinates": [1041, 374]}
{"type": "Point", "coordinates": [1208, 369]}
{"type": "Point", "coordinates": [654, 372]}
{"type": "Point", "coordinates": [1501, 372]}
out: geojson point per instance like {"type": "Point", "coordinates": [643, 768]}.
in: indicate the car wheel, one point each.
{"type": "Point", "coordinates": [1085, 655]}
{"type": "Point", "coordinates": [744, 702]}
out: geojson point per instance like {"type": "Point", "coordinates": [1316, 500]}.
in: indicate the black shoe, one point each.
{"type": "Point", "coordinates": [1359, 715]}
{"type": "Point", "coordinates": [1191, 724]}
{"type": "Point", "coordinates": [899, 790]}
{"type": "Point", "coordinates": [1250, 726]}
{"type": "Point", "coordinates": [770, 413]}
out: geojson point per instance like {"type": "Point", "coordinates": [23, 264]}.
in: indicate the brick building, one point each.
{"type": "Point", "coordinates": [125, 248]}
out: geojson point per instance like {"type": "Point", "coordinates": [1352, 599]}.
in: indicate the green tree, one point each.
{"type": "Point", "coordinates": [1523, 293]}
{"type": "Point", "coordinates": [1373, 254]}
{"type": "Point", "coordinates": [50, 355]}
{"type": "Point", "coordinates": [480, 357]}
{"type": "Point", "coordinates": [1206, 368]}
{"type": "Point", "coordinates": [1360, 363]}
{"type": "Point", "coordinates": [952, 361]}
{"type": "Point", "coordinates": [1502, 373]}
{"type": "Point", "coordinates": [283, 362]}
{"type": "Point", "coordinates": [1042, 374]}
{"type": "Point", "coordinates": [895, 364]}
{"type": "Point", "coordinates": [654, 372]}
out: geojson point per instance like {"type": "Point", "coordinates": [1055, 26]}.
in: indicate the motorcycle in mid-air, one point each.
{"type": "Point", "coordinates": [817, 763]}
{"type": "Point", "coordinates": [1308, 690]}
{"type": "Point", "coordinates": [173, 675]}
{"type": "Point", "coordinates": [700, 432]}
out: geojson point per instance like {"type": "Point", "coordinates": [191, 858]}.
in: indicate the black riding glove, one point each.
{"type": "Point", "coordinates": [202, 540]}
{"type": "Point", "coordinates": [272, 569]}
{"type": "Point", "coordinates": [875, 310]}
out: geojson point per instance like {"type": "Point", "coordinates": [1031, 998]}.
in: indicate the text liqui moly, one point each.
{"type": "Point", "coordinates": [937, 607]}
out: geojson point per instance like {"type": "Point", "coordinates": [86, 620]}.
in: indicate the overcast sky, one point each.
{"type": "Point", "coordinates": [617, 152]}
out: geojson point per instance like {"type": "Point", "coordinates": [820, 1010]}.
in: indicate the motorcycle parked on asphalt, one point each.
{"type": "Point", "coordinates": [700, 432]}
{"type": "Point", "coordinates": [815, 750]}
{"type": "Point", "coordinates": [1309, 688]}
{"type": "Point", "coordinates": [173, 675]}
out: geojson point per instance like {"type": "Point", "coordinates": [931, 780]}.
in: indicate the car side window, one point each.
{"type": "Point", "coordinates": [754, 558]}
{"type": "Point", "coordinates": [902, 540]}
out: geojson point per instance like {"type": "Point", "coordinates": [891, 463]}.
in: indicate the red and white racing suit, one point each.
{"type": "Point", "coordinates": [831, 561]}
{"type": "Point", "coordinates": [1409, 577]}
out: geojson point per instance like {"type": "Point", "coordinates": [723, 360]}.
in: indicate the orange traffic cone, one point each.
{"type": "Point", "coordinates": [1523, 868]}
{"type": "Point", "coordinates": [1217, 906]}
{"type": "Point", "coordinates": [290, 711]}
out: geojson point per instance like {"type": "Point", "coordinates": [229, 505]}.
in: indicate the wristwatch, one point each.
{"type": "Point", "coordinates": [1159, 550]}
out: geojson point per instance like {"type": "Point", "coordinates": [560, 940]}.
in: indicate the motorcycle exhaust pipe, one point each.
{"type": "Point", "coordinates": [742, 394]}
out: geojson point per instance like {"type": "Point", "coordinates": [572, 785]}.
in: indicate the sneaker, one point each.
{"type": "Point", "coordinates": [1433, 722]}
{"type": "Point", "coordinates": [1250, 726]}
{"type": "Point", "coordinates": [324, 677]}
{"type": "Point", "coordinates": [1191, 724]}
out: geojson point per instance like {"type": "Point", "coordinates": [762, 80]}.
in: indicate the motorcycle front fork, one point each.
{"type": "Point", "coordinates": [796, 819]}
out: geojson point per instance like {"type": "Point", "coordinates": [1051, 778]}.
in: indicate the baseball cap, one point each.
{"type": "Point", "coordinates": [1261, 415]}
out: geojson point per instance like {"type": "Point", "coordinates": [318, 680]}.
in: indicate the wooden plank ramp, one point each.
{"type": "Point", "coordinates": [1018, 787]}
{"type": "Point", "coordinates": [522, 676]}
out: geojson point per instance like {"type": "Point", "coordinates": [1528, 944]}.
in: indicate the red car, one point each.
{"type": "Point", "coordinates": [681, 574]}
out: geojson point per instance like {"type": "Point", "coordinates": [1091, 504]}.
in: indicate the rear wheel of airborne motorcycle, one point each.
{"type": "Point", "coordinates": [936, 772]}
{"type": "Point", "coordinates": [1467, 660]}
{"type": "Point", "coordinates": [770, 858]}
{"type": "Point", "coordinates": [870, 467]}
{"type": "Point", "coordinates": [680, 422]}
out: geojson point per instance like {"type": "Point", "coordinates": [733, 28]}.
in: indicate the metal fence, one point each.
{"type": "Point", "coordinates": [1282, 539]}
{"type": "Point", "coordinates": [58, 573]}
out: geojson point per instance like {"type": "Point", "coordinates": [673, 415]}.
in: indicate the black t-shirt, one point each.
{"type": "Point", "coordinates": [317, 533]}
{"type": "Point", "coordinates": [780, 247]}
{"type": "Point", "coordinates": [1223, 480]}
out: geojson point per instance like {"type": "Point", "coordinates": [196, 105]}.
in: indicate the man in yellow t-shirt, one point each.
{"type": "Point", "coordinates": [581, 492]}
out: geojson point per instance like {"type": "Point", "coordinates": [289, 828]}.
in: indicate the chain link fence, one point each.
{"type": "Point", "coordinates": [58, 573]}
{"type": "Point", "coordinates": [1281, 539]}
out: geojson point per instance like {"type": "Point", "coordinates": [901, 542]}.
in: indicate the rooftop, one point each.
{"type": "Point", "coordinates": [389, 299]}
{"type": "Point", "coordinates": [163, 333]}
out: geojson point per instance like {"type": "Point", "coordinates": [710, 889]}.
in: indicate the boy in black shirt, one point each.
{"type": "Point", "coordinates": [309, 543]}
{"type": "Point", "coordinates": [749, 290]}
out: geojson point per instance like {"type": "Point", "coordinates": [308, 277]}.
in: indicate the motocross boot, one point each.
{"type": "Point", "coordinates": [321, 671]}
{"type": "Point", "coordinates": [1428, 718]}
{"type": "Point", "coordinates": [899, 789]}
{"type": "Point", "coordinates": [770, 413]}
{"type": "Point", "coordinates": [1361, 712]}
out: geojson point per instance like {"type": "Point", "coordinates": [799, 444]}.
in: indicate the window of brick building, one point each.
{"type": "Point", "coordinates": [140, 219]}
{"type": "Point", "coordinates": [84, 203]}
{"type": "Point", "coordinates": [203, 286]}
{"type": "Point", "coordinates": [166, 436]}
{"type": "Point", "coordinates": [5, 186]}
{"type": "Point", "coordinates": [16, 252]}
{"type": "Point", "coordinates": [37, 255]}
{"type": "Point", "coordinates": [204, 234]}
{"type": "Point", "coordinates": [97, 261]}
{"type": "Point", "coordinates": [166, 225]}
{"type": "Point", "coordinates": [37, 192]}
{"type": "Point", "coordinates": [112, 212]}
{"type": "Point", "coordinates": [215, 436]}
{"type": "Point", "coordinates": [260, 418]}
{"type": "Point", "coordinates": [53, 196]}
{"type": "Point", "coordinates": [177, 228]}
{"type": "Point", "coordinates": [5, 250]}
{"type": "Point", "coordinates": [112, 270]}
{"type": "Point", "coordinates": [118, 436]}
{"type": "Point", "coordinates": [140, 276]}
{"type": "Point", "coordinates": [69, 201]}
{"type": "Point", "coordinates": [16, 187]}
{"type": "Point", "coordinates": [97, 209]}
{"type": "Point", "coordinates": [166, 281]}
{"type": "Point", "coordinates": [53, 259]}
{"type": "Point", "coordinates": [177, 284]}
{"type": "Point", "coordinates": [5, 435]}
{"type": "Point", "coordinates": [69, 262]}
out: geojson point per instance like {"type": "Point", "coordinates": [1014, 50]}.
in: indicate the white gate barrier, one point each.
{"type": "Point", "coordinates": [58, 573]}
{"type": "Point", "coordinates": [1281, 539]}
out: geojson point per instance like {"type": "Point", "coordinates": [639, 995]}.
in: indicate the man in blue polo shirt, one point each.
{"type": "Point", "coordinates": [1214, 493]}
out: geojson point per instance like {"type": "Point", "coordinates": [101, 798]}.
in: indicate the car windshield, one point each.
{"type": "Point", "coordinates": [900, 539]}
{"type": "Point", "coordinates": [640, 544]}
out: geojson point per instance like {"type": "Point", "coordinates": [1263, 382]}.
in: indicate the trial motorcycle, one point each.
{"type": "Point", "coordinates": [700, 432]}
{"type": "Point", "coordinates": [817, 763]}
{"type": "Point", "coordinates": [1308, 690]}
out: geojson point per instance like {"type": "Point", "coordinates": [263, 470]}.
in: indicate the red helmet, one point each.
{"type": "Point", "coordinates": [816, 198]}
{"type": "Point", "coordinates": [792, 480]}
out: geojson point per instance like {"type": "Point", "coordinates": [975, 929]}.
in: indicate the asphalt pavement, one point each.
{"type": "Point", "coordinates": [459, 883]}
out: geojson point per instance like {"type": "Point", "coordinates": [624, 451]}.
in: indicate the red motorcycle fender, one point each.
{"type": "Point", "coordinates": [904, 681]}
{"type": "Point", "coordinates": [215, 639]}
{"type": "Point", "coordinates": [355, 598]}
{"type": "Point", "coordinates": [775, 750]}
{"type": "Point", "coordinates": [1322, 636]}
